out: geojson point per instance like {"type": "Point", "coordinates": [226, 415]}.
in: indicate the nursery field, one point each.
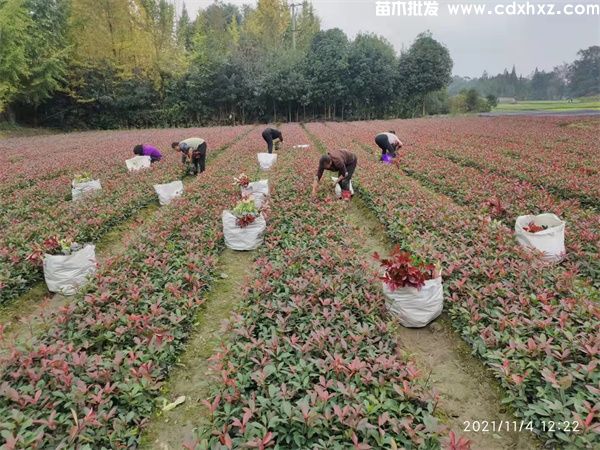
{"type": "Point", "coordinates": [179, 340]}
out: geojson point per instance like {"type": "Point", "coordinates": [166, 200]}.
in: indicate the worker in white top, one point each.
{"type": "Point", "coordinates": [193, 153]}
{"type": "Point", "coordinates": [388, 143]}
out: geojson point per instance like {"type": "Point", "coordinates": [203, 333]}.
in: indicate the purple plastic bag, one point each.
{"type": "Point", "coordinates": [387, 159]}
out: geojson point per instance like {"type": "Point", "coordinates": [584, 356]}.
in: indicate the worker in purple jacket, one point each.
{"type": "Point", "coordinates": [147, 150]}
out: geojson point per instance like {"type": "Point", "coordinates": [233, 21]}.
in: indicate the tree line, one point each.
{"type": "Point", "coordinates": [581, 78]}
{"type": "Point", "coordinates": [140, 63]}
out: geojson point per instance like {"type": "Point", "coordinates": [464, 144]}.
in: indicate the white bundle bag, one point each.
{"type": "Point", "coordinates": [550, 241]}
{"type": "Point", "coordinates": [64, 274]}
{"type": "Point", "coordinates": [167, 192]}
{"type": "Point", "coordinates": [338, 188]}
{"type": "Point", "coordinates": [266, 160]}
{"type": "Point", "coordinates": [78, 190]}
{"type": "Point", "coordinates": [138, 162]}
{"type": "Point", "coordinates": [259, 190]}
{"type": "Point", "coordinates": [414, 307]}
{"type": "Point", "coordinates": [247, 238]}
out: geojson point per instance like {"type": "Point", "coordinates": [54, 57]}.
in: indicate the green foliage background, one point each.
{"type": "Point", "coordinates": [138, 63]}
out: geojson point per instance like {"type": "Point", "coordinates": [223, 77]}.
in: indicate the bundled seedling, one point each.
{"type": "Point", "coordinates": [244, 226]}
{"type": "Point", "coordinates": [259, 190]}
{"type": "Point", "coordinates": [413, 287]}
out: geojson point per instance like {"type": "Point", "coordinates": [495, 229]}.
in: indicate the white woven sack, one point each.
{"type": "Point", "coordinates": [247, 238]}
{"type": "Point", "coordinates": [414, 307]}
{"type": "Point", "coordinates": [64, 274]}
{"type": "Point", "coordinates": [259, 190]}
{"type": "Point", "coordinates": [167, 192]}
{"type": "Point", "coordinates": [550, 242]}
{"type": "Point", "coordinates": [338, 188]}
{"type": "Point", "coordinates": [78, 190]}
{"type": "Point", "coordinates": [259, 200]}
{"type": "Point", "coordinates": [138, 162]}
{"type": "Point", "coordinates": [266, 160]}
{"type": "Point", "coordinates": [259, 187]}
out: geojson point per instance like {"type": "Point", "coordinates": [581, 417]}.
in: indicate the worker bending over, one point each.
{"type": "Point", "coordinates": [270, 135]}
{"type": "Point", "coordinates": [388, 143]}
{"type": "Point", "coordinates": [193, 153]}
{"type": "Point", "coordinates": [147, 150]}
{"type": "Point", "coordinates": [341, 161]}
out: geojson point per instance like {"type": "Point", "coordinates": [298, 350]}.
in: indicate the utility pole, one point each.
{"type": "Point", "coordinates": [294, 6]}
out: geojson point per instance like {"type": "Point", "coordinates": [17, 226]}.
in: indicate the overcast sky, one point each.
{"type": "Point", "coordinates": [476, 43]}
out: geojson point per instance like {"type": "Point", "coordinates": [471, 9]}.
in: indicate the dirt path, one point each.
{"type": "Point", "coordinates": [468, 391]}
{"type": "Point", "coordinates": [191, 378]}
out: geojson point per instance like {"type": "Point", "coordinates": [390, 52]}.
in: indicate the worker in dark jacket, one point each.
{"type": "Point", "coordinates": [270, 135]}
{"type": "Point", "coordinates": [193, 153]}
{"type": "Point", "coordinates": [341, 161]}
{"type": "Point", "coordinates": [388, 143]}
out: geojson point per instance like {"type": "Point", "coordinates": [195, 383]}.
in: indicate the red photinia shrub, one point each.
{"type": "Point", "coordinates": [532, 227]}
{"type": "Point", "coordinates": [90, 380]}
{"type": "Point", "coordinates": [309, 349]}
{"type": "Point", "coordinates": [244, 220]}
{"type": "Point", "coordinates": [519, 315]}
{"type": "Point", "coordinates": [245, 212]}
{"type": "Point", "coordinates": [455, 442]}
{"type": "Point", "coordinates": [39, 186]}
{"type": "Point", "coordinates": [242, 180]}
{"type": "Point", "coordinates": [438, 160]}
{"type": "Point", "coordinates": [403, 269]}
{"type": "Point", "coordinates": [495, 207]}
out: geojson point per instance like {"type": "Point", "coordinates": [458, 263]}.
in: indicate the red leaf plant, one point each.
{"type": "Point", "coordinates": [495, 207]}
{"type": "Point", "coordinates": [242, 180]}
{"type": "Point", "coordinates": [455, 442]}
{"type": "Point", "coordinates": [402, 269]}
{"type": "Point", "coordinates": [245, 220]}
{"type": "Point", "coordinates": [534, 228]}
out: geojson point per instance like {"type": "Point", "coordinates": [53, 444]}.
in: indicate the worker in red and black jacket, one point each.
{"type": "Point", "coordinates": [341, 161]}
{"type": "Point", "coordinates": [269, 135]}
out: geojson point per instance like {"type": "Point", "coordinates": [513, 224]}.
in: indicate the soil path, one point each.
{"type": "Point", "coordinates": [468, 391]}
{"type": "Point", "coordinates": [191, 377]}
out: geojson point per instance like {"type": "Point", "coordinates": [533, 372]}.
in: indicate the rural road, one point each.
{"type": "Point", "coordinates": [579, 112]}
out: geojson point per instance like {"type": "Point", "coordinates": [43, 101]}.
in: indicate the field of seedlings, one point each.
{"type": "Point", "coordinates": [245, 313]}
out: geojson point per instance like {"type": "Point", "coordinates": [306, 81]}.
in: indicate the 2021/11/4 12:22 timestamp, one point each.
{"type": "Point", "coordinates": [484, 426]}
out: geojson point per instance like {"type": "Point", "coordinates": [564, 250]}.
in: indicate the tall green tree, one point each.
{"type": "Point", "coordinates": [112, 32]}
{"type": "Point", "coordinates": [584, 73]}
{"type": "Point", "coordinates": [185, 30]}
{"type": "Point", "coordinates": [160, 22]}
{"type": "Point", "coordinates": [48, 50]}
{"type": "Point", "coordinates": [424, 68]}
{"type": "Point", "coordinates": [267, 24]}
{"type": "Point", "coordinates": [307, 26]}
{"type": "Point", "coordinates": [327, 70]}
{"type": "Point", "coordinates": [15, 68]}
{"type": "Point", "coordinates": [372, 75]}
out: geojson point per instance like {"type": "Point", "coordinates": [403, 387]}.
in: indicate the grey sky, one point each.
{"type": "Point", "coordinates": [476, 43]}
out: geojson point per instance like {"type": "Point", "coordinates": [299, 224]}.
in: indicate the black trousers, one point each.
{"type": "Point", "coordinates": [269, 140]}
{"type": "Point", "coordinates": [345, 183]}
{"type": "Point", "coordinates": [383, 143]}
{"type": "Point", "coordinates": [198, 159]}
